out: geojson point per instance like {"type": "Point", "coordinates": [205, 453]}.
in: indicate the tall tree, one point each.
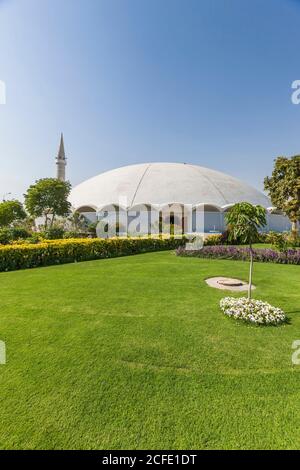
{"type": "Point", "coordinates": [48, 198]}
{"type": "Point", "coordinates": [284, 188]}
{"type": "Point", "coordinates": [244, 221]}
{"type": "Point", "coordinates": [11, 212]}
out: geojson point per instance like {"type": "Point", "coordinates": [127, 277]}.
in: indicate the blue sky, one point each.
{"type": "Point", "coordinates": [128, 81]}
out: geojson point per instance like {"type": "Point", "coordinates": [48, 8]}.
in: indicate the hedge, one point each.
{"type": "Point", "coordinates": [291, 256]}
{"type": "Point", "coordinates": [52, 252]}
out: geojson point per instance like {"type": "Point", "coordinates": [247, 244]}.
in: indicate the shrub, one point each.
{"type": "Point", "coordinates": [225, 239]}
{"type": "Point", "coordinates": [54, 233]}
{"type": "Point", "coordinates": [18, 233]}
{"type": "Point", "coordinates": [35, 237]}
{"type": "Point", "coordinates": [8, 235]}
{"type": "Point", "coordinates": [5, 236]}
{"type": "Point", "coordinates": [92, 229]}
{"type": "Point", "coordinates": [75, 234]}
{"type": "Point", "coordinates": [252, 311]}
{"type": "Point", "coordinates": [278, 240]}
{"type": "Point", "coordinates": [263, 237]}
{"type": "Point", "coordinates": [51, 252]}
{"type": "Point", "coordinates": [212, 240]}
{"type": "Point", "coordinates": [293, 241]}
{"type": "Point", "coordinates": [291, 256]}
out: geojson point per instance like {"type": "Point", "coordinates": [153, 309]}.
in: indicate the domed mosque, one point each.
{"type": "Point", "coordinates": [163, 185]}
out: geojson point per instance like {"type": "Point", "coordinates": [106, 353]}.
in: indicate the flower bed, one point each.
{"type": "Point", "coordinates": [51, 252]}
{"type": "Point", "coordinates": [252, 311]}
{"type": "Point", "coordinates": [242, 253]}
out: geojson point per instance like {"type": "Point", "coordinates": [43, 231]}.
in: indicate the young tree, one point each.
{"type": "Point", "coordinates": [48, 198]}
{"type": "Point", "coordinates": [10, 212]}
{"type": "Point", "coordinates": [244, 221]}
{"type": "Point", "coordinates": [284, 188]}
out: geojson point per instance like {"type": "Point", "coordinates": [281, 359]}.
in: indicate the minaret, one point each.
{"type": "Point", "coordinates": [61, 161]}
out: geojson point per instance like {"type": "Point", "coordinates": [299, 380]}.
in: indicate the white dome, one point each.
{"type": "Point", "coordinates": [162, 183]}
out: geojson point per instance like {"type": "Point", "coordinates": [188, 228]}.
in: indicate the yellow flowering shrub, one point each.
{"type": "Point", "coordinates": [51, 252]}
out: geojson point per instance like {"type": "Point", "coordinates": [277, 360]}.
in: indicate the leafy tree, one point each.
{"type": "Point", "coordinates": [48, 198]}
{"type": "Point", "coordinates": [284, 188]}
{"type": "Point", "coordinates": [11, 212]}
{"type": "Point", "coordinates": [244, 221]}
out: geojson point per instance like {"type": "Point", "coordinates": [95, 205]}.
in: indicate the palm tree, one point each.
{"type": "Point", "coordinates": [244, 220]}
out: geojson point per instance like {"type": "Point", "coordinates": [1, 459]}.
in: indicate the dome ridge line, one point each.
{"type": "Point", "coordinates": [139, 183]}
{"type": "Point", "coordinates": [212, 183]}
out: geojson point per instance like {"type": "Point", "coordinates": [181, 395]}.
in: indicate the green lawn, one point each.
{"type": "Point", "coordinates": [134, 353]}
{"type": "Point", "coordinates": [262, 245]}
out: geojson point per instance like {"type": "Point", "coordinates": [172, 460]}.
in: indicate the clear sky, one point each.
{"type": "Point", "coordinates": [128, 81]}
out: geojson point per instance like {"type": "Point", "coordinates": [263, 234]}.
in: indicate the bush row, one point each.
{"type": "Point", "coordinates": [291, 256]}
{"type": "Point", "coordinates": [278, 240]}
{"type": "Point", "coordinates": [10, 235]}
{"type": "Point", "coordinates": [223, 239]}
{"type": "Point", "coordinates": [50, 252]}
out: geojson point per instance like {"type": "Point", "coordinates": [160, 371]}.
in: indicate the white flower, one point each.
{"type": "Point", "coordinates": [253, 311]}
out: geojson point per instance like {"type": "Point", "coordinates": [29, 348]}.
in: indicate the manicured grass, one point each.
{"type": "Point", "coordinates": [262, 245]}
{"type": "Point", "coordinates": [134, 352]}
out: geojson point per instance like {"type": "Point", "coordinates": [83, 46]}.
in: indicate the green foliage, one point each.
{"type": "Point", "coordinates": [263, 237]}
{"type": "Point", "coordinates": [18, 233]}
{"type": "Point", "coordinates": [10, 212]}
{"type": "Point", "coordinates": [278, 241]}
{"type": "Point", "coordinates": [244, 221]}
{"type": "Point", "coordinates": [53, 233]}
{"type": "Point", "coordinates": [5, 236]}
{"type": "Point", "coordinates": [35, 237]}
{"type": "Point", "coordinates": [78, 222]}
{"type": "Point", "coordinates": [293, 241]}
{"type": "Point", "coordinates": [8, 235]}
{"type": "Point", "coordinates": [48, 198]}
{"type": "Point", "coordinates": [75, 234]}
{"type": "Point", "coordinates": [28, 223]}
{"type": "Point", "coordinates": [284, 187]}
{"type": "Point", "coordinates": [213, 240]}
{"type": "Point", "coordinates": [263, 255]}
{"type": "Point", "coordinates": [225, 239]}
{"type": "Point", "coordinates": [92, 228]}
{"type": "Point", "coordinates": [23, 256]}
{"type": "Point", "coordinates": [283, 241]}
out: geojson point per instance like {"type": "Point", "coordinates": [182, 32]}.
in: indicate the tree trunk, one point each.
{"type": "Point", "coordinates": [250, 273]}
{"type": "Point", "coordinates": [295, 230]}
{"type": "Point", "coordinates": [52, 220]}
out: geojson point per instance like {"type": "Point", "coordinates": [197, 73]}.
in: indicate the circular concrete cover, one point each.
{"type": "Point", "coordinates": [227, 283]}
{"type": "Point", "coordinates": [231, 282]}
